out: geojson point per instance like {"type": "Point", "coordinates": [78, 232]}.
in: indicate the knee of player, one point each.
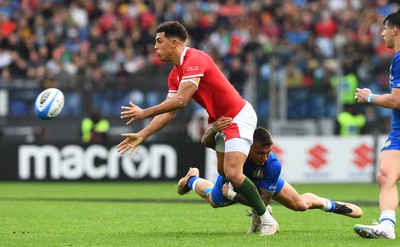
{"type": "Point", "coordinates": [299, 206]}
{"type": "Point", "coordinates": [384, 180]}
{"type": "Point", "coordinates": [234, 177]}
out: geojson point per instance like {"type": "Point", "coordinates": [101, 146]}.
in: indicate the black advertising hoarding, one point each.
{"type": "Point", "coordinates": [76, 162]}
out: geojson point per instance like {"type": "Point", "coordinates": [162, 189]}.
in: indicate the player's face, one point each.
{"type": "Point", "coordinates": [258, 154]}
{"type": "Point", "coordinates": [163, 47]}
{"type": "Point", "coordinates": [388, 35]}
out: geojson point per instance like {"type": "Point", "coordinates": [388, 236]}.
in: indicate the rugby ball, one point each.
{"type": "Point", "coordinates": [49, 103]}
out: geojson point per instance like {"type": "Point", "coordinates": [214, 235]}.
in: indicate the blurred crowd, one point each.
{"type": "Point", "coordinates": [309, 45]}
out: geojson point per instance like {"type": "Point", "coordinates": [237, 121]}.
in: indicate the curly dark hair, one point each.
{"type": "Point", "coordinates": [173, 29]}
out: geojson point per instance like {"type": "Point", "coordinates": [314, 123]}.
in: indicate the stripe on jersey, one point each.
{"type": "Point", "coordinates": [192, 81]}
{"type": "Point", "coordinates": [192, 76]}
{"type": "Point", "coordinates": [232, 132]}
{"type": "Point", "coordinates": [171, 93]}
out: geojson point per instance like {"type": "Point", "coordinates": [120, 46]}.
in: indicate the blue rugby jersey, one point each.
{"type": "Point", "coordinates": [264, 176]}
{"type": "Point", "coordinates": [394, 82]}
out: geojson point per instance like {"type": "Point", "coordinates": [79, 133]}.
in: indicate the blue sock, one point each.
{"type": "Point", "coordinates": [329, 205]}
{"type": "Point", "coordinates": [333, 207]}
{"type": "Point", "coordinates": [191, 181]}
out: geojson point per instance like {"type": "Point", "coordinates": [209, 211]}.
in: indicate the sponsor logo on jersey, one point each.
{"type": "Point", "coordinates": [387, 144]}
{"type": "Point", "coordinates": [194, 68]}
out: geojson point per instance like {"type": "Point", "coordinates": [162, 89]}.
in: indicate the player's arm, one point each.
{"type": "Point", "coordinates": [390, 100]}
{"type": "Point", "coordinates": [132, 140]}
{"type": "Point", "coordinates": [208, 138]}
{"type": "Point", "coordinates": [157, 123]}
{"type": "Point", "coordinates": [177, 101]}
{"type": "Point", "coordinates": [266, 195]}
{"type": "Point", "coordinates": [228, 191]}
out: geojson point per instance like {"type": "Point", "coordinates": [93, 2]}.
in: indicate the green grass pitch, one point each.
{"type": "Point", "coordinates": [153, 214]}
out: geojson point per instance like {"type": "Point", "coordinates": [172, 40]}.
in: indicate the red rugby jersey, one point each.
{"type": "Point", "coordinates": [215, 93]}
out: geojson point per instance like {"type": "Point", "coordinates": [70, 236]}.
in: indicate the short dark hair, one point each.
{"type": "Point", "coordinates": [173, 29]}
{"type": "Point", "coordinates": [393, 19]}
{"type": "Point", "coordinates": [262, 136]}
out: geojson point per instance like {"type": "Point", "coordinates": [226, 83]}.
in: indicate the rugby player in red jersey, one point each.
{"type": "Point", "coordinates": [195, 75]}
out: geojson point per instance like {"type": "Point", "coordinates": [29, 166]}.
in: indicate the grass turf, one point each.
{"type": "Point", "coordinates": [153, 214]}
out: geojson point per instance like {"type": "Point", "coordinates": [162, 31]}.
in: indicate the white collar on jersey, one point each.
{"type": "Point", "coordinates": [183, 55]}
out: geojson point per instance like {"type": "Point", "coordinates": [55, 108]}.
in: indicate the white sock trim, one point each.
{"type": "Point", "coordinates": [195, 183]}
{"type": "Point", "coordinates": [327, 204]}
{"type": "Point", "coordinates": [388, 216]}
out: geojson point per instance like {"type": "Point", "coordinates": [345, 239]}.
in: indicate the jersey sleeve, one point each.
{"type": "Point", "coordinates": [173, 83]}
{"type": "Point", "coordinates": [193, 68]}
{"type": "Point", "coordinates": [272, 172]}
{"type": "Point", "coordinates": [395, 73]}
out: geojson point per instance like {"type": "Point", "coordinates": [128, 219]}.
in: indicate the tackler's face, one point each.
{"type": "Point", "coordinates": [258, 153]}
{"type": "Point", "coordinates": [388, 34]}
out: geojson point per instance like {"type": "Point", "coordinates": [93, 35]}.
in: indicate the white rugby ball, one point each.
{"type": "Point", "coordinates": [49, 103]}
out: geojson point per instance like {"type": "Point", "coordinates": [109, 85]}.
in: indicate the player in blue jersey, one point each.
{"type": "Point", "coordinates": [389, 158]}
{"type": "Point", "coordinates": [263, 168]}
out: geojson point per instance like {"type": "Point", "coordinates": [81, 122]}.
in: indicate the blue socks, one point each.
{"type": "Point", "coordinates": [191, 181]}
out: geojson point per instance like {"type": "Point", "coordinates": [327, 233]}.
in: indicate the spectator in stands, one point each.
{"type": "Point", "coordinates": [347, 83]}
{"type": "Point", "coordinates": [350, 122]}
{"type": "Point", "coordinates": [197, 125]}
{"type": "Point", "coordinates": [36, 66]}
{"type": "Point", "coordinates": [293, 76]}
{"type": "Point", "coordinates": [95, 128]}
{"type": "Point", "coordinates": [237, 75]}
{"type": "Point", "coordinates": [16, 69]}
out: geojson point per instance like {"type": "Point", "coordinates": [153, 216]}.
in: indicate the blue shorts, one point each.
{"type": "Point", "coordinates": [216, 194]}
{"type": "Point", "coordinates": [393, 141]}
{"type": "Point", "coordinates": [221, 201]}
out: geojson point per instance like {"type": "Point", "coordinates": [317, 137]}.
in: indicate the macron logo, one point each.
{"type": "Point", "coordinates": [192, 68]}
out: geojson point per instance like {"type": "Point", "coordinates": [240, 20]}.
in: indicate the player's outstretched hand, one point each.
{"type": "Point", "coordinates": [131, 142]}
{"type": "Point", "coordinates": [133, 112]}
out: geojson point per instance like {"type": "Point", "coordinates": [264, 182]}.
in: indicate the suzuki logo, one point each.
{"type": "Point", "coordinates": [362, 156]}
{"type": "Point", "coordinates": [317, 159]}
